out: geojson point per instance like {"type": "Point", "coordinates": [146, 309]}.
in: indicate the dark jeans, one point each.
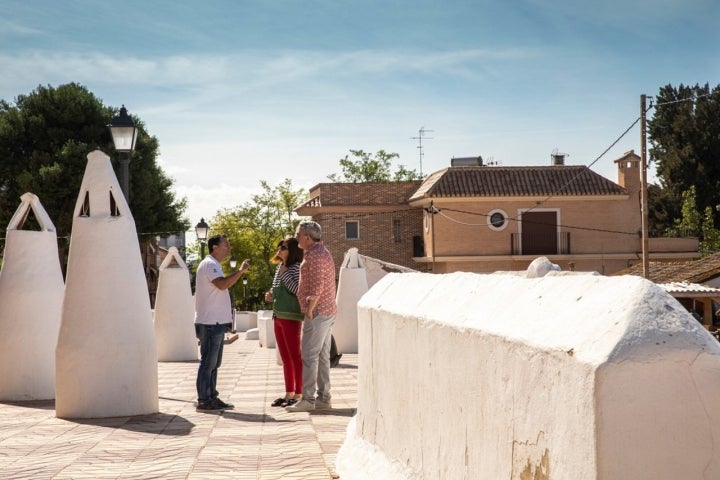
{"type": "Point", "coordinates": [211, 348]}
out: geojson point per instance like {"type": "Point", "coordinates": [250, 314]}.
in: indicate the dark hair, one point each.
{"type": "Point", "coordinates": [295, 253]}
{"type": "Point", "coordinates": [214, 241]}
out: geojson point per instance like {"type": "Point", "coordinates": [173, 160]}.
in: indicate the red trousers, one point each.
{"type": "Point", "coordinates": [287, 338]}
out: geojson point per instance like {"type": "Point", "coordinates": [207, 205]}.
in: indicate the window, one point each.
{"type": "Point", "coordinates": [352, 230]}
{"type": "Point", "coordinates": [497, 220]}
{"type": "Point", "coordinates": [397, 230]}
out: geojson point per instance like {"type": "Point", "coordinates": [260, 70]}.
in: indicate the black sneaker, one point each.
{"type": "Point", "coordinates": [335, 361]}
{"type": "Point", "coordinates": [207, 406]}
{"type": "Point", "coordinates": [222, 405]}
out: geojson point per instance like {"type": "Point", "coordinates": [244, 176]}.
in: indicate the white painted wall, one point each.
{"type": "Point", "coordinates": [569, 376]}
{"type": "Point", "coordinates": [31, 296]}
{"type": "Point", "coordinates": [174, 315]}
{"type": "Point", "coordinates": [352, 285]}
{"type": "Point", "coordinates": [106, 359]}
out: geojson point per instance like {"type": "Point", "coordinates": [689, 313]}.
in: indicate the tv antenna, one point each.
{"type": "Point", "coordinates": [419, 138]}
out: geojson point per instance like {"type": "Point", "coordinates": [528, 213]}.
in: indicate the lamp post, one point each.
{"type": "Point", "coordinates": [245, 293]}
{"type": "Point", "coordinates": [201, 231]}
{"type": "Point", "coordinates": [233, 262]}
{"type": "Point", "coordinates": [124, 135]}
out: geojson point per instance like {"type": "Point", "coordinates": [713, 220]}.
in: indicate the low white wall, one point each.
{"type": "Point", "coordinates": [569, 376]}
{"type": "Point", "coordinates": [266, 328]}
{"type": "Point", "coordinates": [244, 321]}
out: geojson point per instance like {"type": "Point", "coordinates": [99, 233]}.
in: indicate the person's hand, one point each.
{"type": "Point", "coordinates": [245, 265]}
{"type": "Point", "coordinates": [268, 297]}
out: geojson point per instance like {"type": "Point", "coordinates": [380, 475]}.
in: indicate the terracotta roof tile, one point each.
{"type": "Point", "coordinates": [693, 271]}
{"type": "Point", "coordinates": [556, 180]}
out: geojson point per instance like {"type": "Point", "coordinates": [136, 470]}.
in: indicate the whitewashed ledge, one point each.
{"type": "Point", "coordinates": [570, 376]}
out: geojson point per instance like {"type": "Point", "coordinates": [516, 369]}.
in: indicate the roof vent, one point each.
{"type": "Point", "coordinates": [466, 161]}
{"type": "Point", "coordinates": [558, 158]}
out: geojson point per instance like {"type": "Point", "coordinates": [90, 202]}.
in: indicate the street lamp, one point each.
{"type": "Point", "coordinates": [201, 231]}
{"type": "Point", "coordinates": [245, 293]}
{"type": "Point", "coordinates": [124, 135]}
{"type": "Point", "coordinates": [233, 262]}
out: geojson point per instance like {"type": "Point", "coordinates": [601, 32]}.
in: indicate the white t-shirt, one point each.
{"type": "Point", "coordinates": [212, 305]}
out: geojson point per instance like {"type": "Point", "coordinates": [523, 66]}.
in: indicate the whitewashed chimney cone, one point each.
{"type": "Point", "coordinates": [106, 361]}
{"type": "Point", "coordinates": [31, 296]}
{"type": "Point", "coordinates": [352, 285]}
{"type": "Point", "coordinates": [175, 311]}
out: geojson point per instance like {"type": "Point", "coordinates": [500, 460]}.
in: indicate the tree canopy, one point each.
{"type": "Point", "coordinates": [684, 136]}
{"type": "Point", "coordinates": [366, 167]}
{"type": "Point", "coordinates": [254, 230]}
{"type": "Point", "coordinates": [45, 137]}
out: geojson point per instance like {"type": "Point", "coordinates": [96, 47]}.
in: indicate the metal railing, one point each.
{"type": "Point", "coordinates": [540, 244]}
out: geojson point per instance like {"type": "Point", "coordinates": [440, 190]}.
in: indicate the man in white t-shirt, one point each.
{"type": "Point", "coordinates": [213, 317]}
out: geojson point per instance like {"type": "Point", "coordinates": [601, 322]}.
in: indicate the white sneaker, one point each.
{"type": "Point", "coordinates": [301, 406]}
{"type": "Point", "coordinates": [320, 405]}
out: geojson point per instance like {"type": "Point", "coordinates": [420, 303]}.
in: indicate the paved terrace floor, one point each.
{"type": "Point", "coordinates": [253, 441]}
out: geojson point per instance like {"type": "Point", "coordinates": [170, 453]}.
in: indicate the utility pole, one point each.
{"type": "Point", "coordinates": [419, 138]}
{"type": "Point", "coordinates": [643, 187]}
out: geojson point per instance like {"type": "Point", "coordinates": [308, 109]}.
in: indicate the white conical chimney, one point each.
{"type": "Point", "coordinates": [175, 312]}
{"type": "Point", "coordinates": [106, 362]}
{"type": "Point", "coordinates": [352, 285]}
{"type": "Point", "coordinates": [31, 296]}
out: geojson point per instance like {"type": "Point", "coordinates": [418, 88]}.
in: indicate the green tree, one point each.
{"type": "Point", "coordinates": [368, 168]}
{"type": "Point", "coordinates": [693, 224]}
{"type": "Point", "coordinates": [685, 146]}
{"type": "Point", "coordinates": [45, 137]}
{"type": "Point", "coordinates": [254, 230]}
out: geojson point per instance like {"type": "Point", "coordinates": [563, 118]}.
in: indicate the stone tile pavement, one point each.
{"type": "Point", "coordinates": [253, 441]}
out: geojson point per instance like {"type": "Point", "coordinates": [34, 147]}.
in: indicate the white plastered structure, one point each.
{"type": "Point", "coordinates": [352, 285]}
{"type": "Point", "coordinates": [174, 315]}
{"type": "Point", "coordinates": [31, 296]}
{"type": "Point", "coordinates": [564, 377]}
{"type": "Point", "coordinates": [106, 360]}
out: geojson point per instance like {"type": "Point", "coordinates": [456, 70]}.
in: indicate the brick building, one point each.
{"type": "Point", "coordinates": [373, 217]}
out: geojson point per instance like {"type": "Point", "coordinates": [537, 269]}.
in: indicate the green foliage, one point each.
{"type": "Point", "coordinates": [710, 235]}
{"type": "Point", "coordinates": [689, 224]}
{"type": "Point", "coordinates": [366, 168]}
{"type": "Point", "coordinates": [44, 141]}
{"type": "Point", "coordinates": [693, 224]}
{"type": "Point", "coordinates": [254, 230]}
{"type": "Point", "coordinates": [685, 146]}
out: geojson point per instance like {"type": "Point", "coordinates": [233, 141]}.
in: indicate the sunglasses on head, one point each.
{"type": "Point", "coordinates": [282, 247]}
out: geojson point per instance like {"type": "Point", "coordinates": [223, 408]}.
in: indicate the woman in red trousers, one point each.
{"type": "Point", "coordinates": [287, 318]}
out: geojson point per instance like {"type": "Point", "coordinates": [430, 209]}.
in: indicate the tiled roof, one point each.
{"type": "Point", "coordinates": [556, 180]}
{"type": "Point", "coordinates": [693, 271]}
{"type": "Point", "coordinates": [342, 194]}
{"type": "Point", "coordinates": [677, 289]}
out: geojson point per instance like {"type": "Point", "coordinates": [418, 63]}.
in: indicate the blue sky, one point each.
{"type": "Point", "coordinates": [243, 91]}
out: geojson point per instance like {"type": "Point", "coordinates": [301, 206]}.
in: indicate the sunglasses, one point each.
{"type": "Point", "coordinates": [282, 247]}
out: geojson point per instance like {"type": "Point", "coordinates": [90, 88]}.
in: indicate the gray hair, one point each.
{"type": "Point", "coordinates": [313, 229]}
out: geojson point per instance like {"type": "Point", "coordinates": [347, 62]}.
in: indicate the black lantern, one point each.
{"type": "Point", "coordinates": [201, 231]}
{"type": "Point", "coordinates": [124, 134]}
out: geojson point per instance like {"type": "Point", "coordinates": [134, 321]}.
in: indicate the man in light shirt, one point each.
{"type": "Point", "coordinates": [213, 317]}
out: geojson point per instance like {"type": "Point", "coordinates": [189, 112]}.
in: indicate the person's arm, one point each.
{"type": "Point", "coordinates": [290, 277]}
{"type": "Point", "coordinates": [223, 283]}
